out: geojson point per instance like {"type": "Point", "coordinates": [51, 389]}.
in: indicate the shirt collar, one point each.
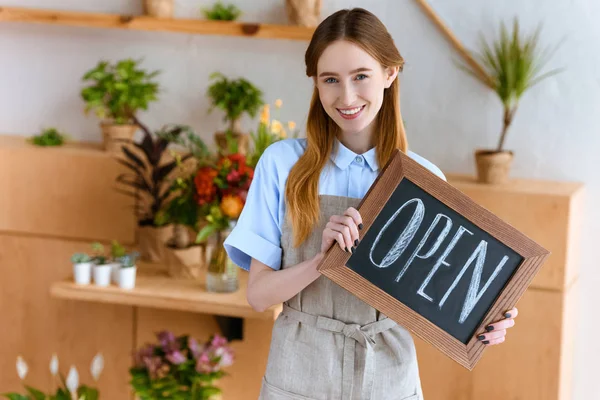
{"type": "Point", "coordinates": [343, 156]}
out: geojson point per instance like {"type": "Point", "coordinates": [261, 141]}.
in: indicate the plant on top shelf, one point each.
{"type": "Point", "coordinates": [148, 183]}
{"type": "Point", "coordinates": [68, 388]}
{"type": "Point", "coordinates": [179, 367]}
{"type": "Point", "coordinates": [221, 12]}
{"type": "Point", "coordinates": [117, 92]}
{"type": "Point", "coordinates": [513, 64]}
{"type": "Point", "coordinates": [268, 132]}
{"type": "Point", "coordinates": [49, 137]}
{"type": "Point", "coordinates": [234, 97]}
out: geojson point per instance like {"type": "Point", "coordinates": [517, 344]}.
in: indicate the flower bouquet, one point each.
{"type": "Point", "coordinates": [67, 389]}
{"type": "Point", "coordinates": [179, 368]}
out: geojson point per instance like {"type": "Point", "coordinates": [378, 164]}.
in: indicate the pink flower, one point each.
{"type": "Point", "coordinates": [176, 358]}
{"type": "Point", "coordinates": [215, 356]}
{"type": "Point", "coordinates": [139, 358]}
{"type": "Point", "coordinates": [168, 341]}
{"type": "Point", "coordinates": [233, 176]}
{"type": "Point", "coordinates": [218, 341]}
{"type": "Point", "coordinates": [194, 347]}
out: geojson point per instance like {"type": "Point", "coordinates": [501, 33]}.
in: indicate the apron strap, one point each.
{"type": "Point", "coordinates": [353, 333]}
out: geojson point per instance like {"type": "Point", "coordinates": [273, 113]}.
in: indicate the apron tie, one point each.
{"type": "Point", "coordinates": [353, 333]}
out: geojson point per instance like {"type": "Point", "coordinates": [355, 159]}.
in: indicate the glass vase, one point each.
{"type": "Point", "coordinates": [222, 273]}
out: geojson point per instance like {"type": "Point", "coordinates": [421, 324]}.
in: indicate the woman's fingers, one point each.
{"type": "Point", "coordinates": [353, 212]}
{"type": "Point", "coordinates": [342, 234]}
{"type": "Point", "coordinates": [491, 336]}
{"type": "Point", "coordinates": [348, 222]}
{"type": "Point", "coordinates": [502, 324]}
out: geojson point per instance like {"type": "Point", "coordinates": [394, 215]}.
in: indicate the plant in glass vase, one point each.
{"type": "Point", "coordinates": [180, 368]}
{"type": "Point", "coordinates": [221, 190]}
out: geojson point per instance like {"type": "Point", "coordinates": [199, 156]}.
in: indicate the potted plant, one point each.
{"type": "Point", "coordinates": [159, 8]}
{"type": "Point", "coordinates": [268, 132]}
{"type": "Point", "coordinates": [102, 267]}
{"type": "Point", "coordinates": [221, 12]}
{"type": "Point", "coordinates": [235, 97]}
{"type": "Point", "coordinates": [66, 388]}
{"type": "Point", "coordinates": [116, 252]}
{"type": "Point", "coordinates": [117, 92]}
{"type": "Point", "coordinates": [128, 270]}
{"type": "Point", "coordinates": [82, 268]}
{"type": "Point", "coordinates": [178, 367]}
{"type": "Point", "coordinates": [147, 182]}
{"type": "Point", "coordinates": [48, 137]}
{"type": "Point", "coordinates": [513, 64]}
{"type": "Point", "coordinates": [303, 12]}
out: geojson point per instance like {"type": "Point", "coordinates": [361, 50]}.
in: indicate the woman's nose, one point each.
{"type": "Point", "coordinates": [348, 96]}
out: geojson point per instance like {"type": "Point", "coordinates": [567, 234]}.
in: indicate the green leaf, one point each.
{"type": "Point", "coordinates": [34, 393]}
{"type": "Point", "coordinates": [205, 233]}
{"type": "Point", "coordinates": [16, 396]}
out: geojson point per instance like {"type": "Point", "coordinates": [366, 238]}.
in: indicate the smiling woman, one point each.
{"type": "Point", "coordinates": [327, 343]}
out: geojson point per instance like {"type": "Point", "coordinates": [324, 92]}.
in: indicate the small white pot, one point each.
{"type": "Point", "coordinates": [114, 272]}
{"type": "Point", "coordinates": [127, 277]}
{"type": "Point", "coordinates": [82, 273]}
{"type": "Point", "coordinates": [102, 274]}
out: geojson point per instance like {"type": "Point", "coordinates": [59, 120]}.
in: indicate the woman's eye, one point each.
{"type": "Point", "coordinates": [360, 77]}
{"type": "Point", "coordinates": [330, 80]}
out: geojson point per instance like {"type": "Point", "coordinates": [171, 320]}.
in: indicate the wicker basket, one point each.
{"type": "Point", "coordinates": [159, 8]}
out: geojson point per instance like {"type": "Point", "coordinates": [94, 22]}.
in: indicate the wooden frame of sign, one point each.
{"type": "Point", "coordinates": [451, 326]}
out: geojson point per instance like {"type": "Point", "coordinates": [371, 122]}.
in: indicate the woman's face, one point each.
{"type": "Point", "coordinates": [351, 85]}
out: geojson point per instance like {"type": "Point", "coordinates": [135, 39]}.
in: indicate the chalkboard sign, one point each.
{"type": "Point", "coordinates": [433, 260]}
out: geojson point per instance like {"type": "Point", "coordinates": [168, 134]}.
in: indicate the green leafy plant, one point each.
{"type": "Point", "coordinates": [98, 255]}
{"type": "Point", "coordinates": [67, 388]}
{"type": "Point", "coordinates": [148, 177]}
{"type": "Point", "coordinates": [180, 368]}
{"type": "Point", "coordinates": [513, 64]}
{"type": "Point", "coordinates": [235, 97]}
{"type": "Point", "coordinates": [128, 260]}
{"type": "Point", "coordinates": [49, 137]}
{"type": "Point", "coordinates": [221, 12]}
{"type": "Point", "coordinates": [117, 250]}
{"type": "Point", "coordinates": [119, 90]}
{"type": "Point", "coordinates": [79, 258]}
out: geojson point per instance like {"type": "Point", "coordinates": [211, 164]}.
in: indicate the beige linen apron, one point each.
{"type": "Point", "coordinates": [328, 344]}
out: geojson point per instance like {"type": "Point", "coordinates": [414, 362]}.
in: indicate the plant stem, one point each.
{"type": "Point", "coordinates": [508, 117]}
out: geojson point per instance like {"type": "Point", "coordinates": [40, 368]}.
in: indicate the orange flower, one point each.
{"type": "Point", "coordinates": [205, 187]}
{"type": "Point", "coordinates": [232, 206]}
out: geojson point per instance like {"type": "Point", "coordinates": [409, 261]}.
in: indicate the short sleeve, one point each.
{"type": "Point", "coordinates": [257, 233]}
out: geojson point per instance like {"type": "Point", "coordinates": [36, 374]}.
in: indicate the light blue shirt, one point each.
{"type": "Point", "coordinates": [258, 230]}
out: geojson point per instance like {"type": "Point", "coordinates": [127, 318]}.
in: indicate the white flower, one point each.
{"type": "Point", "coordinates": [54, 365]}
{"type": "Point", "coordinates": [22, 368]}
{"type": "Point", "coordinates": [73, 380]}
{"type": "Point", "coordinates": [97, 366]}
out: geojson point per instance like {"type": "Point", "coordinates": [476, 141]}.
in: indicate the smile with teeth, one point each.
{"type": "Point", "coordinates": [350, 111]}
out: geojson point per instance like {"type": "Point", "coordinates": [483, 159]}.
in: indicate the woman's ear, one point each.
{"type": "Point", "coordinates": [390, 74]}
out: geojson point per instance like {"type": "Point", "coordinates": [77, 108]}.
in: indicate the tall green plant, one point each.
{"type": "Point", "coordinates": [119, 90]}
{"type": "Point", "coordinates": [514, 64]}
{"type": "Point", "coordinates": [235, 97]}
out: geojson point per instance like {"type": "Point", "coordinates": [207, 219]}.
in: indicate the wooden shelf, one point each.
{"type": "Point", "coordinates": [156, 290]}
{"type": "Point", "coordinates": [147, 23]}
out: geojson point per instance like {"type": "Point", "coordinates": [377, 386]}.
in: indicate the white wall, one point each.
{"type": "Point", "coordinates": [448, 114]}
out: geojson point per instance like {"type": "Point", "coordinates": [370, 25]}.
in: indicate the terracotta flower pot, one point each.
{"type": "Point", "coordinates": [304, 12]}
{"type": "Point", "coordinates": [159, 8]}
{"type": "Point", "coordinates": [114, 135]}
{"type": "Point", "coordinates": [492, 166]}
{"type": "Point", "coordinates": [152, 242]}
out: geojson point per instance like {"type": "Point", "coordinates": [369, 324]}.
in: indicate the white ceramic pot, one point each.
{"type": "Point", "coordinates": [127, 277]}
{"type": "Point", "coordinates": [114, 272]}
{"type": "Point", "coordinates": [82, 273]}
{"type": "Point", "coordinates": [102, 274]}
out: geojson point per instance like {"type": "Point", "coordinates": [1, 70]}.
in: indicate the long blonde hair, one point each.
{"type": "Point", "coordinates": [362, 28]}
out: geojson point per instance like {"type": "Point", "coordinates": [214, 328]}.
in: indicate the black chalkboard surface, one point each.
{"type": "Point", "coordinates": [433, 260]}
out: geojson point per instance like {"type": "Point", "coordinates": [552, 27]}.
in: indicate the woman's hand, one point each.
{"type": "Point", "coordinates": [496, 332]}
{"type": "Point", "coordinates": [342, 229]}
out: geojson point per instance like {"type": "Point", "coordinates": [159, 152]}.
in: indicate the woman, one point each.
{"type": "Point", "coordinates": [327, 343]}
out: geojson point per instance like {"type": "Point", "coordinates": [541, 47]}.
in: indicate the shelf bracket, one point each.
{"type": "Point", "coordinates": [232, 328]}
